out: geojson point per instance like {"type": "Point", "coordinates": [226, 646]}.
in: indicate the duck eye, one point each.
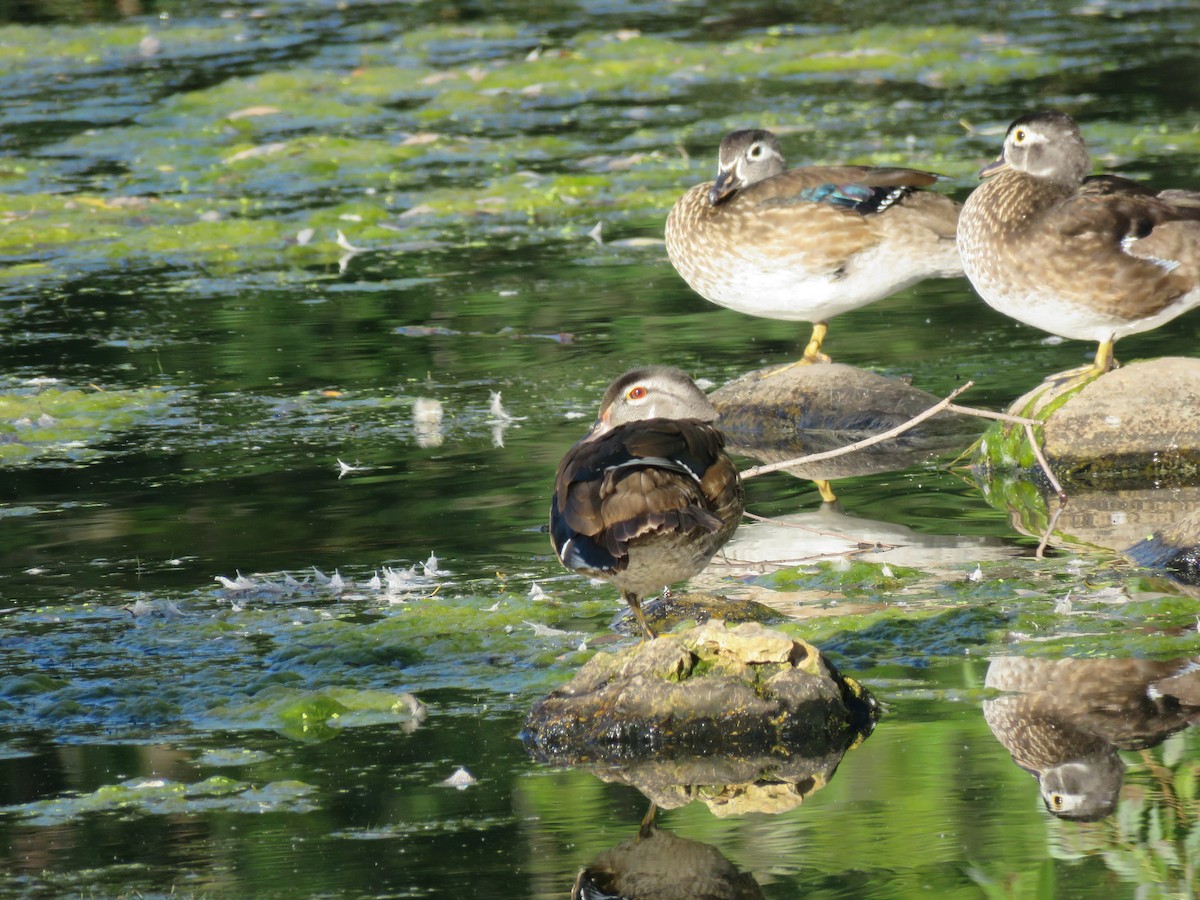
{"type": "Point", "coordinates": [756, 151]}
{"type": "Point", "coordinates": [1056, 800]}
{"type": "Point", "coordinates": [1019, 135]}
{"type": "Point", "coordinates": [636, 393]}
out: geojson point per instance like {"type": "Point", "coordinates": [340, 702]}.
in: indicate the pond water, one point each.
{"type": "Point", "coordinates": [273, 562]}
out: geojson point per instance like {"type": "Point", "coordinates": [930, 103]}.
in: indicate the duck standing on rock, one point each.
{"type": "Point", "coordinates": [1086, 258]}
{"type": "Point", "coordinates": [807, 244]}
{"type": "Point", "coordinates": [649, 495]}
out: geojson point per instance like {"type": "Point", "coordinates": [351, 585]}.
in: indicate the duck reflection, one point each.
{"type": "Point", "coordinates": [659, 865]}
{"type": "Point", "coordinates": [1065, 720]}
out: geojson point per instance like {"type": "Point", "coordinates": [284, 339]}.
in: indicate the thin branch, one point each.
{"type": "Point", "coordinates": [988, 414]}
{"type": "Point", "coordinates": [938, 407]}
{"type": "Point", "coordinates": [1037, 454]}
{"type": "Point", "coordinates": [1040, 553]}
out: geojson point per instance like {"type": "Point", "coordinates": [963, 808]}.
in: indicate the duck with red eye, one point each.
{"type": "Point", "coordinates": [649, 495]}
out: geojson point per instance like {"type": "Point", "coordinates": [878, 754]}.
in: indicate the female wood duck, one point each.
{"type": "Point", "coordinates": [807, 244]}
{"type": "Point", "coordinates": [649, 495]}
{"type": "Point", "coordinates": [1092, 259]}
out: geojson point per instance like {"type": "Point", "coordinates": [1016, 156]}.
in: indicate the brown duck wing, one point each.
{"type": "Point", "coordinates": [828, 214]}
{"type": "Point", "coordinates": [650, 476]}
{"type": "Point", "coordinates": [1142, 251]}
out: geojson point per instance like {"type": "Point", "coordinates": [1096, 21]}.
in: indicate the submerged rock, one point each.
{"type": "Point", "coordinates": [742, 691]}
{"type": "Point", "coordinates": [797, 410]}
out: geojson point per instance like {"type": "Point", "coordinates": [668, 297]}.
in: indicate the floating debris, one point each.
{"type": "Point", "coordinates": [388, 584]}
{"type": "Point", "coordinates": [427, 421]}
{"type": "Point", "coordinates": [344, 243]}
{"type": "Point", "coordinates": [431, 567]}
{"type": "Point", "coordinates": [499, 413]}
{"type": "Point", "coordinates": [461, 779]}
{"type": "Point", "coordinates": [1063, 605]}
{"type": "Point", "coordinates": [239, 585]}
{"type": "Point", "coordinates": [163, 609]}
{"type": "Point", "coordinates": [540, 630]}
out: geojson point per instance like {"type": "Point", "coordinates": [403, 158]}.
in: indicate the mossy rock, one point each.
{"type": "Point", "coordinates": [664, 613]}
{"type": "Point", "coordinates": [1132, 426]}
{"type": "Point", "coordinates": [743, 690]}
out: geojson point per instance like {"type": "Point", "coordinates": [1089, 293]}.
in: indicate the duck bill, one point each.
{"type": "Point", "coordinates": [601, 426]}
{"type": "Point", "coordinates": [723, 188]}
{"type": "Point", "coordinates": [993, 168]}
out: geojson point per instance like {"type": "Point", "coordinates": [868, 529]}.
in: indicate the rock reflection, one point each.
{"type": "Point", "coordinates": [741, 719]}
{"type": "Point", "coordinates": [1155, 525]}
{"type": "Point", "coordinates": [799, 410]}
{"type": "Point", "coordinates": [1126, 452]}
{"type": "Point", "coordinates": [1064, 721]}
{"type": "Point", "coordinates": [659, 865]}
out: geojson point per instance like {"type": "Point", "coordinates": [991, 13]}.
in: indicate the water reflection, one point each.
{"type": "Point", "coordinates": [1064, 721]}
{"type": "Point", "coordinates": [1156, 525]}
{"type": "Point", "coordinates": [829, 532]}
{"type": "Point", "coordinates": [731, 785]}
{"type": "Point", "coordinates": [658, 865]}
{"type": "Point", "coordinates": [793, 411]}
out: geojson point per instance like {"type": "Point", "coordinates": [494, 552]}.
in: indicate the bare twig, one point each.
{"type": "Point", "coordinates": [938, 407]}
{"type": "Point", "coordinates": [1040, 553]}
{"type": "Point", "coordinates": [988, 414]}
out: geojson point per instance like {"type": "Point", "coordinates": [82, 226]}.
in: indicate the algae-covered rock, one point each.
{"type": "Point", "coordinates": [745, 690]}
{"type": "Point", "coordinates": [1137, 421]}
{"type": "Point", "coordinates": [1133, 425]}
{"type": "Point", "coordinates": [664, 613]}
{"type": "Point", "coordinates": [794, 410]}
{"type": "Point", "coordinates": [1125, 447]}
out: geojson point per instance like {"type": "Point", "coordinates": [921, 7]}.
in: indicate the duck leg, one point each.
{"type": "Point", "coordinates": [635, 604]}
{"type": "Point", "coordinates": [826, 489]}
{"type": "Point", "coordinates": [1103, 362]}
{"type": "Point", "coordinates": [812, 352]}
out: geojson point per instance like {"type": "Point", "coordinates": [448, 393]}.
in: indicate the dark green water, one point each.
{"type": "Point", "coordinates": [161, 733]}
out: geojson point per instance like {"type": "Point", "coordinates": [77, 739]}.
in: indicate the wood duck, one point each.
{"type": "Point", "coordinates": [807, 244]}
{"type": "Point", "coordinates": [649, 495]}
{"type": "Point", "coordinates": [1092, 259]}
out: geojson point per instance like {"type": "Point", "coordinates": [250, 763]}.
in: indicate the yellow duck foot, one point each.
{"type": "Point", "coordinates": [826, 489]}
{"type": "Point", "coordinates": [1104, 362]}
{"type": "Point", "coordinates": [812, 353]}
